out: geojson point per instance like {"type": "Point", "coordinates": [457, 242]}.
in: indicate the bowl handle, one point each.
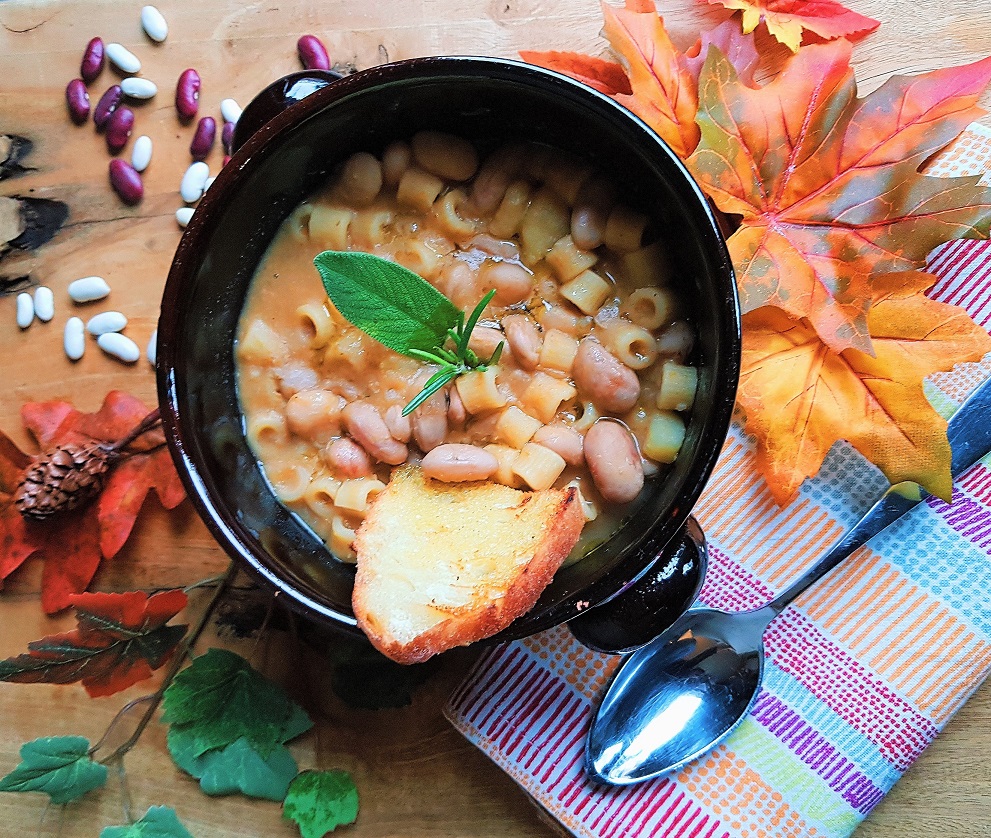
{"type": "Point", "coordinates": [650, 605]}
{"type": "Point", "coordinates": [279, 95]}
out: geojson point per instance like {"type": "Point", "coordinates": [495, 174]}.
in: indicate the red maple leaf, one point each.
{"type": "Point", "coordinates": [120, 640]}
{"type": "Point", "coordinates": [73, 544]}
{"type": "Point", "coordinates": [786, 19]}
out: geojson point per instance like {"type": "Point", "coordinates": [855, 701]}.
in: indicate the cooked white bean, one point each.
{"type": "Point", "coordinates": [456, 463]}
{"type": "Point", "coordinates": [430, 419]}
{"type": "Point", "coordinates": [138, 88]}
{"type": "Point", "coordinates": [119, 346]}
{"type": "Point", "coordinates": [611, 385]}
{"type": "Point", "coordinates": [347, 458]}
{"type": "Point", "coordinates": [154, 24]}
{"type": "Point", "coordinates": [122, 58]}
{"type": "Point", "coordinates": [361, 179]}
{"type": "Point", "coordinates": [456, 413]}
{"type": "Point", "coordinates": [106, 322]}
{"type": "Point", "coordinates": [523, 339]}
{"type": "Point", "coordinates": [141, 153]}
{"type": "Point", "coordinates": [563, 441]}
{"type": "Point", "coordinates": [183, 215]}
{"type": "Point", "coordinates": [74, 338]}
{"type": "Point", "coordinates": [676, 341]}
{"type": "Point", "coordinates": [445, 155]}
{"type": "Point", "coordinates": [366, 425]}
{"type": "Point", "coordinates": [25, 309]}
{"type": "Point", "coordinates": [209, 182]}
{"type": "Point", "coordinates": [484, 340]}
{"type": "Point", "coordinates": [151, 351]}
{"type": "Point", "coordinates": [193, 181]}
{"type": "Point", "coordinates": [614, 461]}
{"type": "Point", "coordinates": [44, 303]}
{"type": "Point", "coordinates": [512, 282]}
{"type": "Point", "coordinates": [230, 110]}
{"type": "Point", "coordinates": [88, 289]}
{"type": "Point", "coordinates": [399, 426]}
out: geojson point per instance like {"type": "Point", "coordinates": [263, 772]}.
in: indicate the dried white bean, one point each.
{"type": "Point", "coordinates": [106, 322]}
{"type": "Point", "coordinates": [25, 309]}
{"type": "Point", "coordinates": [44, 303]}
{"type": "Point", "coordinates": [138, 88]}
{"type": "Point", "coordinates": [152, 350]}
{"type": "Point", "coordinates": [141, 153]}
{"type": "Point", "coordinates": [123, 58]}
{"type": "Point", "coordinates": [74, 338]}
{"type": "Point", "coordinates": [154, 24]}
{"type": "Point", "coordinates": [88, 288]}
{"type": "Point", "coordinates": [182, 215]}
{"type": "Point", "coordinates": [119, 346]}
{"type": "Point", "coordinates": [209, 182]}
{"type": "Point", "coordinates": [191, 188]}
{"type": "Point", "coordinates": [230, 110]}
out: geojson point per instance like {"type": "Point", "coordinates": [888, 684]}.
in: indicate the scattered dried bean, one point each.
{"type": "Point", "coordinates": [183, 215]}
{"type": "Point", "coordinates": [227, 136]}
{"type": "Point", "coordinates": [44, 303]}
{"type": "Point", "coordinates": [187, 93]}
{"type": "Point", "coordinates": [205, 134]}
{"type": "Point", "coordinates": [88, 288]}
{"type": "Point", "coordinates": [191, 188]}
{"type": "Point", "coordinates": [105, 322]}
{"type": "Point", "coordinates": [152, 349]}
{"type": "Point", "coordinates": [209, 183]}
{"type": "Point", "coordinates": [107, 105]}
{"type": "Point", "coordinates": [138, 88]}
{"type": "Point", "coordinates": [313, 53]}
{"type": "Point", "coordinates": [119, 129]}
{"type": "Point", "coordinates": [123, 59]}
{"type": "Point", "coordinates": [119, 346]}
{"type": "Point", "coordinates": [126, 182]}
{"type": "Point", "coordinates": [25, 309]}
{"type": "Point", "coordinates": [141, 153]}
{"type": "Point", "coordinates": [92, 62]}
{"type": "Point", "coordinates": [77, 99]}
{"type": "Point", "coordinates": [154, 24]}
{"type": "Point", "coordinates": [230, 110]}
{"type": "Point", "coordinates": [74, 339]}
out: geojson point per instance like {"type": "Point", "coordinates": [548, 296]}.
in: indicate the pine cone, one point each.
{"type": "Point", "coordinates": [64, 478]}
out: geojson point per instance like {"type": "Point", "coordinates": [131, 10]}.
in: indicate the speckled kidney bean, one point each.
{"type": "Point", "coordinates": [126, 181]}
{"type": "Point", "coordinates": [187, 93]}
{"type": "Point", "coordinates": [77, 99]}
{"type": "Point", "coordinates": [313, 53]}
{"type": "Point", "coordinates": [93, 60]}
{"type": "Point", "coordinates": [365, 424]}
{"type": "Point", "coordinates": [347, 458]}
{"type": "Point", "coordinates": [613, 460]}
{"type": "Point", "coordinates": [108, 103]}
{"type": "Point", "coordinates": [203, 137]}
{"type": "Point", "coordinates": [606, 380]}
{"type": "Point", "coordinates": [227, 136]}
{"type": "Point", "coordinates": [119, 129]}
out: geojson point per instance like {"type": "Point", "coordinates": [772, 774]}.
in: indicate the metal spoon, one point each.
{"type": "Point", "coordinates": [680, 695]}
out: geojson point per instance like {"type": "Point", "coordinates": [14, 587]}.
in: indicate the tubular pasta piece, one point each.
{"type": "Point", "coordinates": [355, 495]}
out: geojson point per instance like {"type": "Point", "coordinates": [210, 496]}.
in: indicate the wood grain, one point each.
{"type": "Point", "coordinates": [417, 777]}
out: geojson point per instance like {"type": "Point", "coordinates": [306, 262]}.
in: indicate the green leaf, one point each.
{"type": "Point", "coordinates": [158, 822]}
{"type": "Point", "coordinates": [387, 301]}
{"type": "Point", "coordinates": [321, 801]}
{"type": "Point", "coordinates": [60, 766]}
{"type": "Point", "coordinates": [220, 698]}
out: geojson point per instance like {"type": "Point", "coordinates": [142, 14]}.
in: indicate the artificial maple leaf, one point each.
{"type": "Point", "coordinates": [73, 544]}
{"type": "Point", "coordinates": [605, 76]}
{"type": "Point", "coordinates": [800, 397]}
{"type": "Point", "coordinates": [59, 766]}
{"type": "Point", "coordinates": [828, 185]}
{"type": "Point", "coordinates": [785, 19]}
{"type": "Point", "coordinates": [120, 640]}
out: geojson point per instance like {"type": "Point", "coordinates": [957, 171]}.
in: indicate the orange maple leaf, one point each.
{"type": "Point", "coordinates": [785, 19]}
{"type": "Point", "coordinates": [827, 184]}
{"type": "Point", "coordinates": [800, 397]}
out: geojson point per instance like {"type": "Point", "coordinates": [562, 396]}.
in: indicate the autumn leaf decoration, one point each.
{"type": "Point", "coordinates": [833, 223]}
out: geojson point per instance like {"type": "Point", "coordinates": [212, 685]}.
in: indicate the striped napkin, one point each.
{"type": "Point", "coordinates": [862, 672]}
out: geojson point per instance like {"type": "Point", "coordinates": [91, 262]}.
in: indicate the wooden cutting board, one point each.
{"type": "Point", "coordinates": [417, 777]}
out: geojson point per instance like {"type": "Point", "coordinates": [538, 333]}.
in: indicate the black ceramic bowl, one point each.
{"type": "Point", "coordinates": [490, 102]}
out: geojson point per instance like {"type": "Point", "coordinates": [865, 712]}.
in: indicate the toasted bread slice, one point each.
{"type": "Point", "coordinates": [444, 564]}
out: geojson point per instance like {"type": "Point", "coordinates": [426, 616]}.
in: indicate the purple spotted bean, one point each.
{"type": "Point", "coordinates": [126, 181]}
{"type": "Point", "coordinates": [206, 132]}
{"type": "Point", "coordinates": [119, 129]}
{"type": "Point", "coordinates": [107, 105]}
{"type": "Point", "coordinates": [227, 136]}
{"type": "Point", "coordinates": [77, 100]}
{"type": "Point", "coordinates": [187, 93]}
{"type": "Point", "coordinates": [93, 58]}
{"type": "Point", "coordinates": [313, 53]}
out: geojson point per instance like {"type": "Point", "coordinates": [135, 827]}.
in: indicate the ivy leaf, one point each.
{"type": "Point", "coordinates": [785, 19]}
{"type": "Point", "coordinates": [391, 303]}
{"type": "Point", "coordinates": [59, 766]}
{"type": "Point", "coordinates": [120, 640]}
{"type": "Point", "coordinates": [157, 822]}
{"type": "Point", "coordinates": [320, 801]}
{"type": "Point", "coordinates": [220, 698]}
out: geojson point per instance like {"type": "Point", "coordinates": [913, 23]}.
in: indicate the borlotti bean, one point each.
{"type": "Point", "coordinates": [92, 63]}
{"type": "Point", "coordinates": [187, 93]}
{"type": "Point", "coordinates": [74, 339]}
{"type": "Point", "coordinates": [313, 53]}
{"type": "Point", "coordinates": [141, 153]}
{"type": "Point", "coordinates": [154, 24]}
{"type": "Point", "coordinates": [119, 129]}
{"type": "Point", "coordinates": [183, 215]}
{"type": "Point", "coordinates": [123, 59]}
{"type": "Point", "coordinates": [138, 88]}
{"type": "Point", "coordinates": [230, 110]}
{"type": "Point", "coordinates": [151, 352]}
{"type": "Point", "coordinates": [227, 136]}
{"type": "Point", "coordinates": [106, 322]}
{"type": "Point", "coordinates": [119, 346]}
{"type": "Point", "coordinates": [25, 310]}
{"type": "Point", "coordinates": [191, 188]}
{"type": "Point", "coordinates": [126, 182]}
{"type": "Point", "coordinates": [88, 289]}
{"type": "Point", "coordinates": [203, 137]}
{"type": "Point", "coordinates": [107, 105]}
{"type": "Point", "coordinates": [77, 100]}
{"type": "Point", "coordinates": [44, 303]}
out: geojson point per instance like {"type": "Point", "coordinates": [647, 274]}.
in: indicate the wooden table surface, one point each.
{"type": "Point", "coordinates": [416, 776]}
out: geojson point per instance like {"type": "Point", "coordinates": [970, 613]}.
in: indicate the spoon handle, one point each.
{"type": "Point", "coordinates": [969, 433]}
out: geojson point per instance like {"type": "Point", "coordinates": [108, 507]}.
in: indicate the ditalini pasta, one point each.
{"type": "Point", "coordinates": [593, 332]}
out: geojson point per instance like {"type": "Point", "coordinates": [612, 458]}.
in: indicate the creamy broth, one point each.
{"type": "Point", "coordinates": [594, 337]}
